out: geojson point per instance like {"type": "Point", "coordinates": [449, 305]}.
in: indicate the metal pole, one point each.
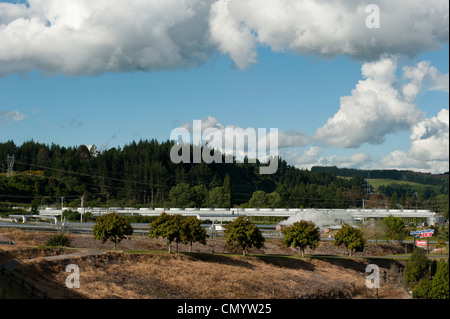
{"type": "Point", "coordinates": [62, 207]}
{"type": "Point", "coordinates": [82, 210]}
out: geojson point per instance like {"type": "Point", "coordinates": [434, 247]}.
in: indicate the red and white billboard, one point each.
{"type": "Point", "coordinates": [426, 235]}
{"type": "Point", "coordinates": [421, 243]}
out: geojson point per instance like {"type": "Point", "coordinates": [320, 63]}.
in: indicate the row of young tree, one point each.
{"type": "Point", "coordinates": [173, 228]}
{"type": "Point", "coordinates": [240, 233]}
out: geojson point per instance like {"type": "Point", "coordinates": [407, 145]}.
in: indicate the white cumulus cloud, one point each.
{"type": "Point", "coordinates": [327, 28]}
{"type": "Point", "coordinates": [429, 150]}
{"type": "Point", "coordinates": [83, 37]}
{"type": "Point", "coordinates": [380, 104]}
{"type": "Point", "coordinates": [79, 37]}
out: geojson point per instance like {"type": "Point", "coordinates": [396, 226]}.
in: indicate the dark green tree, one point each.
{"type": "Point", "coordinates": [228, 190]}
{"type": "Point", "coordinates": [35, 206]}
{"type": "Point", "coordinates": [393, 201]}
{"type": "Point", "coordinates": [218, 198]}
{"type": "Point", "coordinates": [168, 227]}
{"type": "Point", "coordinates": [350, 237]}
{"type": "Point", "coordinates": [180, 195]}
{"type": "Point", "coordinates": [258, 200]}
{"type": "Point", "coordinates": [112, 227]}
{"type": "Point", "coordinates": [440, 283]}
{"type": "Point", "coordinates": [422, 289]}
{"type": "Point", "coordinates": [301, 235]}
{"type": "Point", "coordinates": [417, 267]}
{"type": "Point", "coordinates": [198, 196]}
{"type": "Point", "coordinates": [243, 233]}
{"type": "Point", "coordinates": [442, 204]}
{"type": "Point", "coordinates": [192, 231]}
{"type": "Point", "coordinates": [274, 200]}
{"type": "Point", "coordinates": [395, 227]}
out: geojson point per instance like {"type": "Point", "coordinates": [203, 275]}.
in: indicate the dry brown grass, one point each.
{"type": "Point", "coordinates": [199, 276]}
{"type": "Point", "coordinates": [211, 273]}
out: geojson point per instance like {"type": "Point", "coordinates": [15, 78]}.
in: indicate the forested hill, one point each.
{"type": "Point", "coordinates": [399, 175]}
{"type": "Point", "coordinates": [139, 173]}
{"type": "Point", "coordinates": [142, 174]}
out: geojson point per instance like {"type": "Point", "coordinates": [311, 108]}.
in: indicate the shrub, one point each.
{"type": "Point", "coordinates": [422, 289]}
{"type": "Point", "coordinates": [417, 266]}
{"type": "Point", "coordinates": [436, 288]}
{"type": "Point", "coordinates": [71, 215]}
{"type": "Point", "coordinates": [58, 240]}
{"type": "Point", "coordinates": [440, 288]}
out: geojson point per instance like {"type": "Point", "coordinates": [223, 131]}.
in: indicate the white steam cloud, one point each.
{"type": "Point", "coordinates": [321, 218]}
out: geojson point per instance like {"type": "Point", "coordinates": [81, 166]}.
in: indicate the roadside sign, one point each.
{"type": "Point", "coordinates": [421, 243]}
{"type": "Point", "coordinates": [422, 233]}
{"type": "Point", "coordinates": [426, 235]}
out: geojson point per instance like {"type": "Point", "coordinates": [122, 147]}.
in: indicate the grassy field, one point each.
{"type": "Point", "coordinates": [375, 183]}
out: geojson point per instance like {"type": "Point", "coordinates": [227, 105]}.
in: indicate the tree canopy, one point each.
{"type": "Point", "coordinates": [168, 227]}
{"type": "Point", "coordinates": [178, 229]}
{"type": "Point", "coordinates": [192, 231]}
{"type": "Point", "coordinates": [301, 235]}
{"type": "Point", "coordinates": [112, 227]}
{"type": "Point", "coordinates": [395, 227]}
{"type": "Point", "coordinates": [350, 237]}
{"type": "Point", "coordinates": [243, 233]}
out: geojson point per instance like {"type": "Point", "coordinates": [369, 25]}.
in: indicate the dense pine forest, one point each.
{"type": "Point", "coordinates": [142, 174]}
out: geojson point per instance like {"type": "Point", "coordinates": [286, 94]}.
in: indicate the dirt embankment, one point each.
{"type": "Point", "coordinates": [156, 274]}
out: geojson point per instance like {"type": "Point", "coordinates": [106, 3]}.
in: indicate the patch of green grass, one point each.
{"type": "Point", "coordinates": [146, 251]}
{"type": "Point", "coordinates": [375, 183]}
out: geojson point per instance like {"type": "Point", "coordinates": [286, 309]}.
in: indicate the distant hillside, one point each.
{"type": "Point", "coordinates": [405, 176]}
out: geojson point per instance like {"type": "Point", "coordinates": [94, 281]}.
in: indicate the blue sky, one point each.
{"type": "Point", "coordinates": [46, 98]}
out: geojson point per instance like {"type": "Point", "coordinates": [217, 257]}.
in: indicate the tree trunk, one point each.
{"type": "Point", "coordinates": [190, 247]}
{"type": "Point", "coordinates": [169, 247]}
{"type": "Point", "coordinates": [303, 252]}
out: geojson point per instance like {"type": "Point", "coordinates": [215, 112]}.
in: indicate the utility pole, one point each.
{"type": "Point", "coordinates": [10, 165]}
{"type": "Point", "coordinates": [62, 207]}
{"type": "Point", "coordinates": [82, 209]}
